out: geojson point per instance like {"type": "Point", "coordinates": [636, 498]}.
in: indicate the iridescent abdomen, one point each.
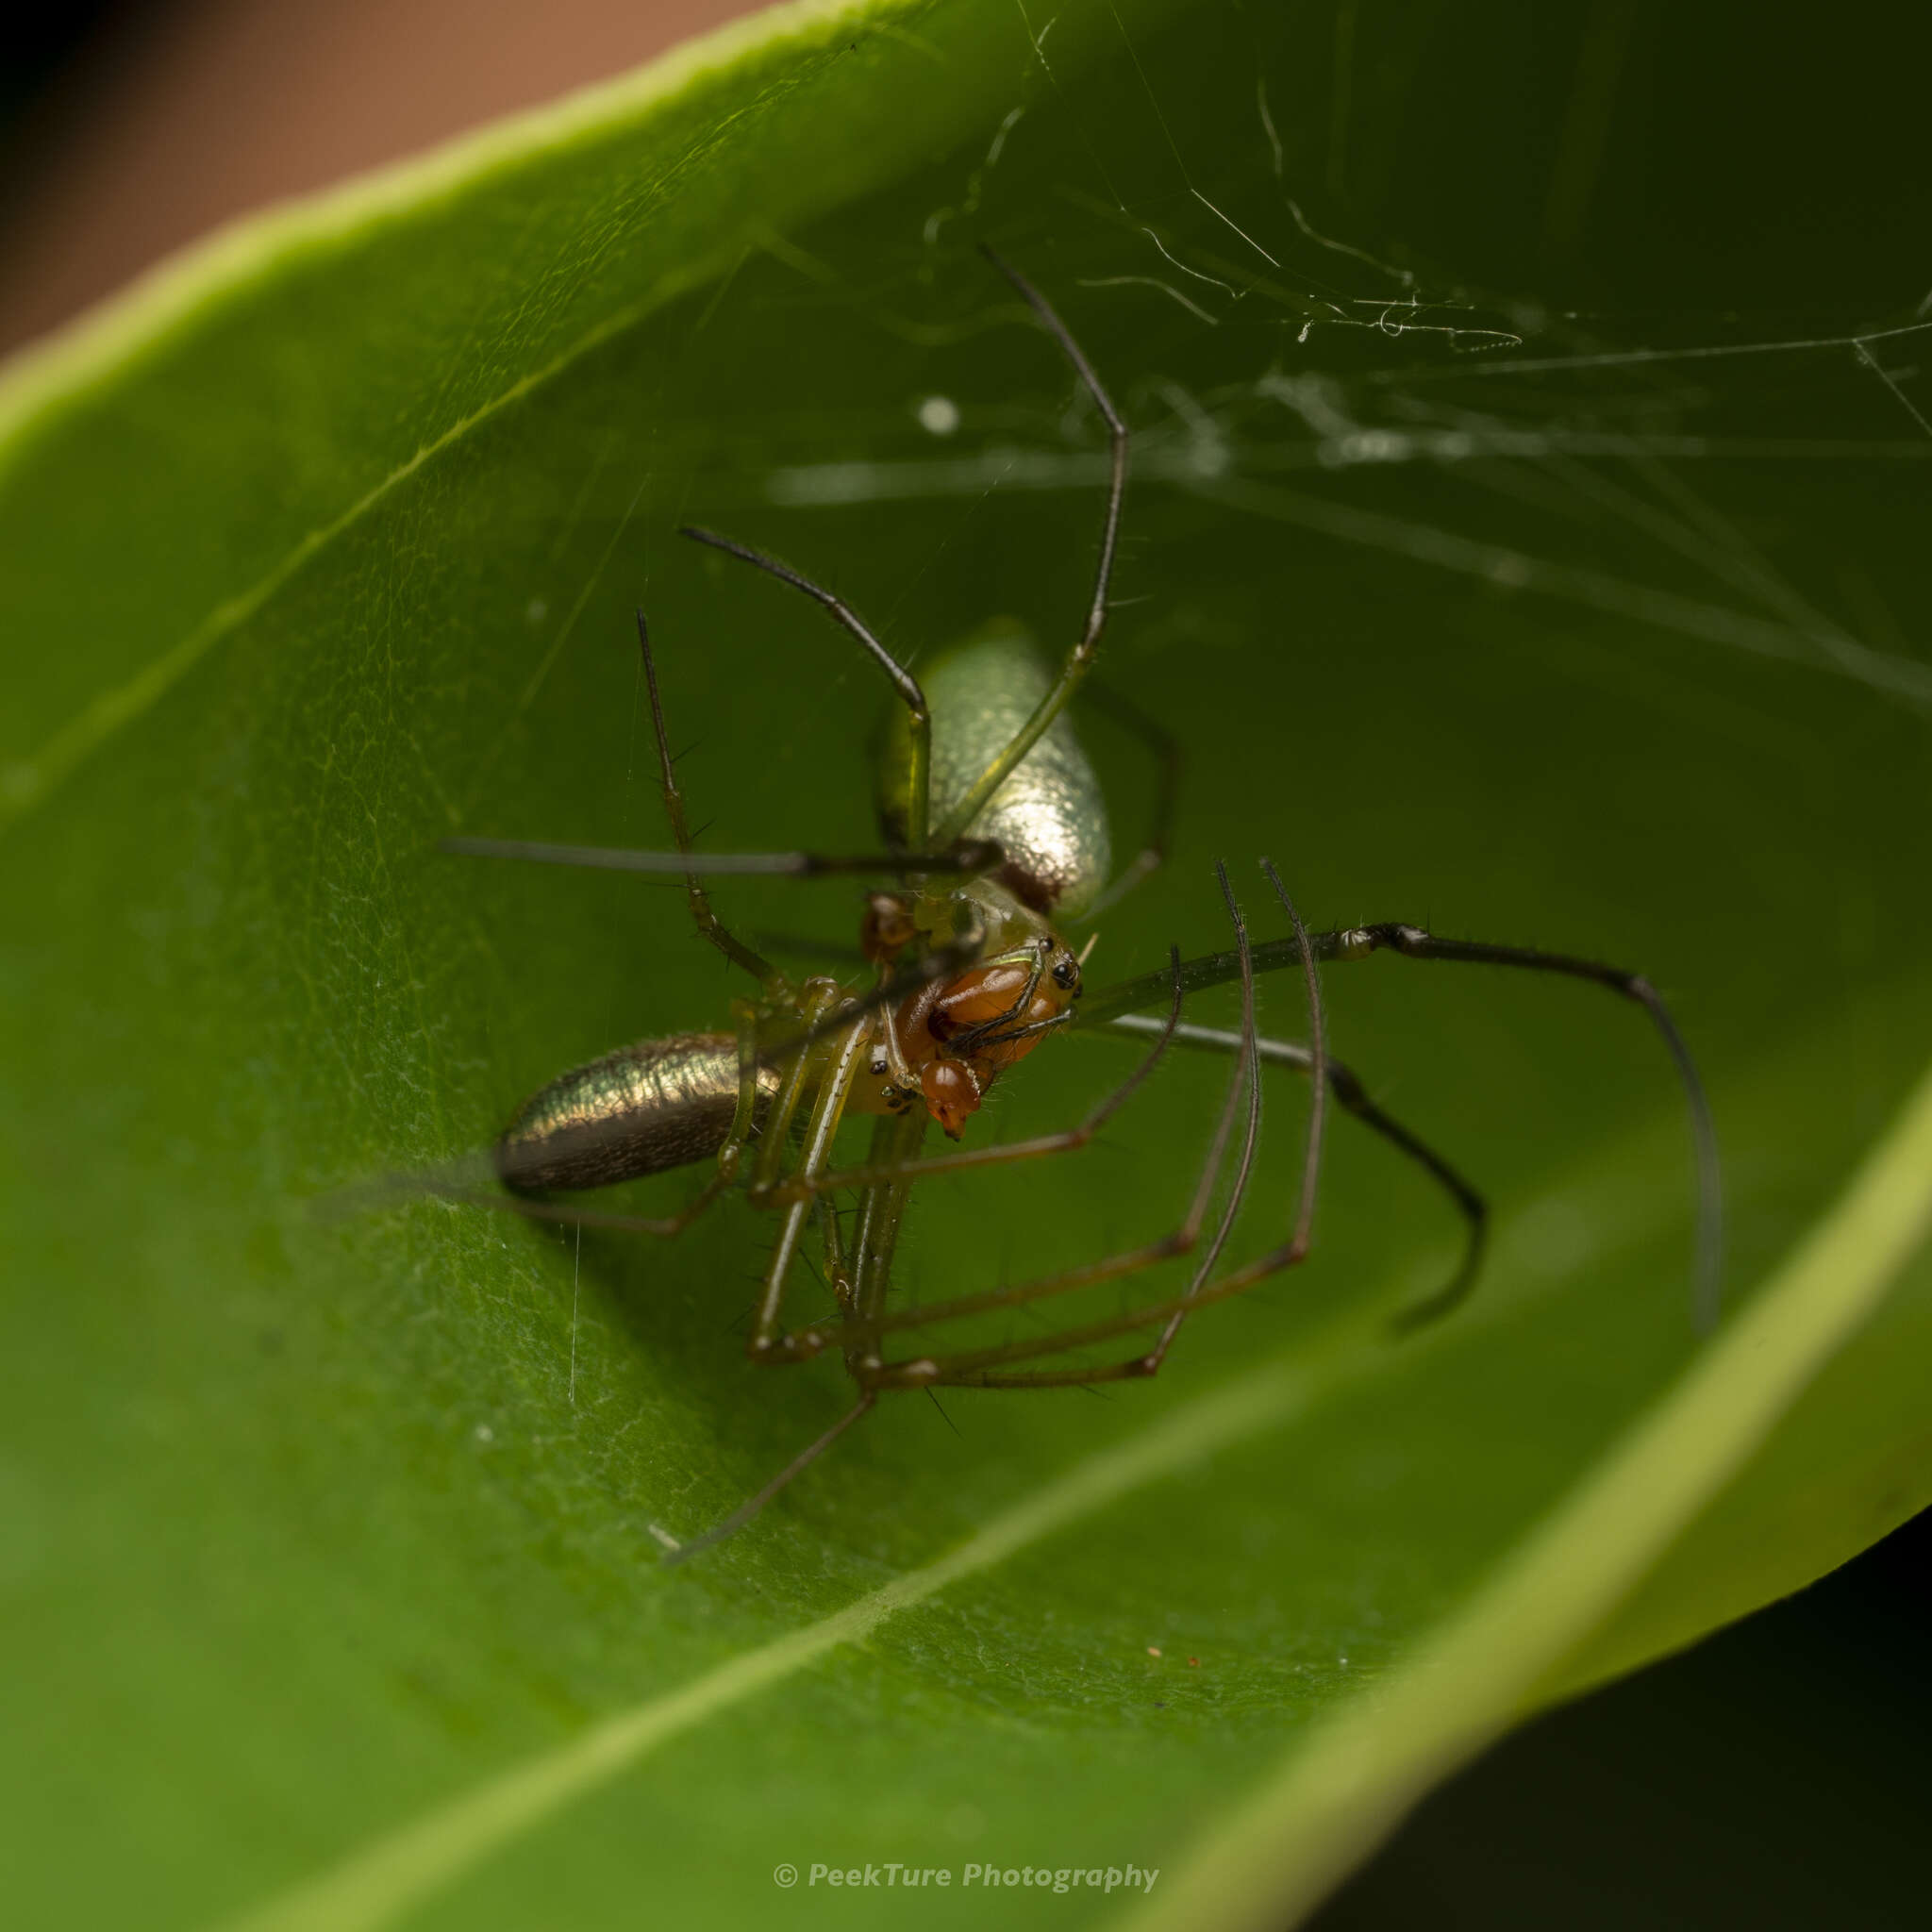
{"type": "Point", "coordinates": [659, 1104]}
{"type": "Point", "coordinates": [1048, 817]}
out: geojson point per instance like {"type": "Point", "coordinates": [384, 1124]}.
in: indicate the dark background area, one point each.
{"type": "Point", "coordinates": [1776, 1775]}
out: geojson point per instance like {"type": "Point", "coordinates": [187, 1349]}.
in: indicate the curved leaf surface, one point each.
{"type": "Point", "coordinates": [331, 1539]}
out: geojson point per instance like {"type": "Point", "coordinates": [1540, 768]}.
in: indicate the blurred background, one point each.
{"type": "Point", "coordinates": [1776, 1774]}
{"type": "Point", "coordinates": [131, 129]}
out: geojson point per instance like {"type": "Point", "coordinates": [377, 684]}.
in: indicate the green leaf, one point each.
{"type": "Point", "coordinates": [329, 1538]}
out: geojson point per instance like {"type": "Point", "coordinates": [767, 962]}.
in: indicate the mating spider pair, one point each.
{"type": "Point", "coordinates": [999, 837]}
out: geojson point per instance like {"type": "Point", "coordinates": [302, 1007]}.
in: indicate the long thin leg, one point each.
{"type": "Point", "coordinates": [1414, 943]}
{"type": "Point", "coordinates": [1349, 1093]}
{"type": "Point", "coordinates": [744, 1114]}
{"type": "Point", "coordinates": [1165, 749]}
{"type": "Point", "coordinates": [972, 1369]}
{"type": "Point", "coordinates": [901, 680]}
{"type": "Point", "coordinates": [752, 1504]}
{"type": "Point", "coordinates": [818, 996]}
{"type": "Point", "coordinates": [827, 1109]}
{"type": "Point", "coordinates": [896, 1141]}
{"type": "Point", "coordinates": [877, 1234]}
{"type": "Point", "coordinates": [1080, 658]}
{"type": "Point", "coordinates": [709, 923]}
{"type": "Point", "coordinates": [1318, 1089]}
{"type": "Point", "coordinates": [964, 857]}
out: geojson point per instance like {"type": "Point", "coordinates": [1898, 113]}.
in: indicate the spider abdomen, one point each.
{"type": "Point", "coordinates": [1048, 816]}
{"type": "Point", "coordinates": [653, 1105]}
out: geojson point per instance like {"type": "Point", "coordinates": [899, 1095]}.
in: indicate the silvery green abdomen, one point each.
{"type": "Point", "coordinates": [644, 1108]}
{"type": "Point", "coordinates": [1048, 817]}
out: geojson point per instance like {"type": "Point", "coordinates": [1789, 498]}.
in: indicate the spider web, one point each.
{"type": "Point", "coordinates": [1490, 328]}
{"type": "Point", "coordinates": [1628, 458]}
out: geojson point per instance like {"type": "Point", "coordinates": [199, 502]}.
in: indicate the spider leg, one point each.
{"type": "Point", "coordinates": [1415, 943]}
{"type": "Point", "coordinates": [752, 1504]}
{"type": "Point", "coordinates": [823, 1124]}
{"type": "Point", "coordinates": [881, 1214]}
{"type": "Point", "coordinates": [1346, 1089]}
{"type": "Point", "coordinates": [1031, 1030]}
{"type": "Point", "coordinates": [707, 921]}
{"type": "Point", "coordinates": [1080, 658]}
{"type": "Point", "coordinates": [828, 1107]}
{"type": "Point", "coordinates": [1251, 1061]}
{"type": "Point", "coordinates": [982, 1368]}
{"type": "Point", "coordinates": [901, 680]}
{"type": "Point", "coordinates": [965, 857]}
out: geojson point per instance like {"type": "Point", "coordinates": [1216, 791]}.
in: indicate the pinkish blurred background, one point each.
{"type": "Point", "coordinates": [133, 128]}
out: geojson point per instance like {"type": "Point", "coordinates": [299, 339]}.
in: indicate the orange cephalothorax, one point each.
{"type": "Point", "coordinates": [960, 1033]}
{"type": "Point", "coordinates": [975, 1013]}
{"type": "Point", "coordinates": [978, 998]}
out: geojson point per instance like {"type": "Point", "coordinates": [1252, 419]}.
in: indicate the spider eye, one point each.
{"type": "Point", "coordinates": [1067, 972]}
